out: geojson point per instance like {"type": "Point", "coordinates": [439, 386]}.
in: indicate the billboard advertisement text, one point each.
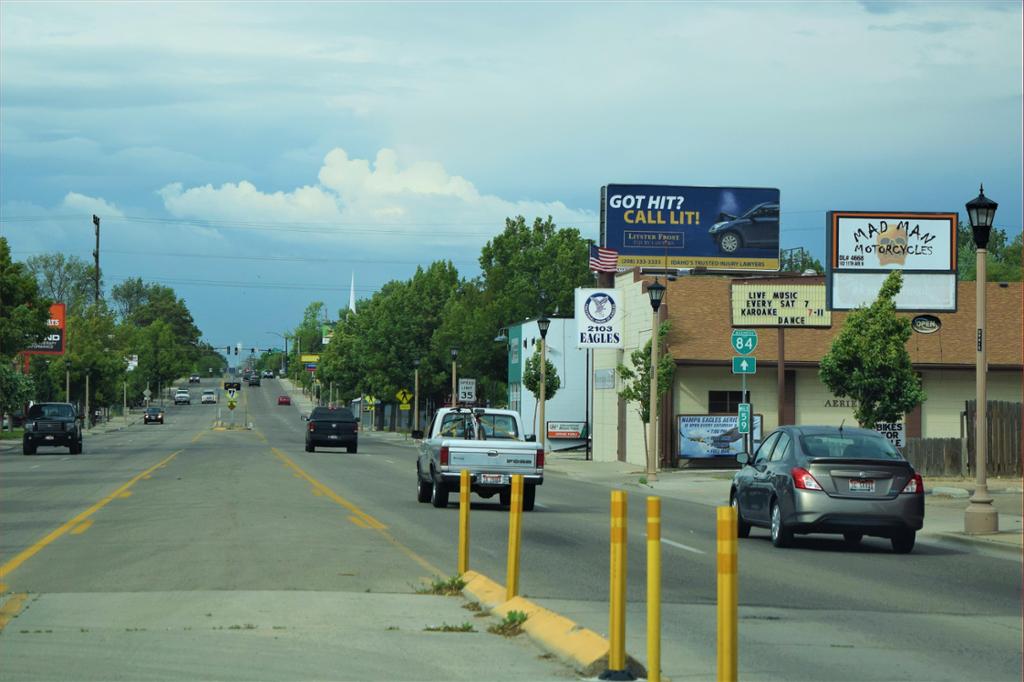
{"type": "Point", "coordinates": [713, 435]}
{"type": "Point", "coordinates": [733, 228]}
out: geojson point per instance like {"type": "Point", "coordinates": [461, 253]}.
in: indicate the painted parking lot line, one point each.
{"type": "Point", "coordinates": [682, 546]}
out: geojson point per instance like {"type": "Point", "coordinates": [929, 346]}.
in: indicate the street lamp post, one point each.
{"type": "Point", "coordinates": [542, 325]}
{"type": "Point", "coordinates": [656, 292]}
{"type": "Point", "coordinates": [88, 420]}
{"type": "Point", "coordinates": [67, 380]}
{"type": "Point", "coordinates": [416, 394]}
{"type": "Point", "coordinates": [980, 516]}
{"type": "Point", "coordinates": [455, 395]}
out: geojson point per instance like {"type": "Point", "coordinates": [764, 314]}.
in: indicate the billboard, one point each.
{"type": "Point", "coordinates": [731, 228]}
{"type": "Point", "coordinates": [53, 344]}
{"type": "Point", "coordinates": [599, 316]}
{"type": "Point", "coordinates": [863, 247]}
{"type": "Point", "coordinates": [713, 435]}
{"type": "Point", "coordinates": [779, 305]}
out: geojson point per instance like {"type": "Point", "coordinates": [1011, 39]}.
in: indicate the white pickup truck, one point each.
{"type": "Point", "coordinates": [489, 443]}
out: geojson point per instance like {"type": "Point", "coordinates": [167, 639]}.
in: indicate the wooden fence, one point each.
{"type": "Point", "coordinates": [955, 456]}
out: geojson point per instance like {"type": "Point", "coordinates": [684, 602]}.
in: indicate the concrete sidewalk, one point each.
{"type": "Point", "coordinates": [945, 498]}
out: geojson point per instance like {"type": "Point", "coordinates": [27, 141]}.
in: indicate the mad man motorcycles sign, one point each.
{"type": "Point", "coordinates": [598, 318]}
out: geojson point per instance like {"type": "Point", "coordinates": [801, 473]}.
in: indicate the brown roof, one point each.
{"type": "Point", "coordinates": [700, 310]}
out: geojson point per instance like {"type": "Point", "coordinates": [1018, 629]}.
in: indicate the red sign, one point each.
{"type": "Point", "coordinates": [53, 344]}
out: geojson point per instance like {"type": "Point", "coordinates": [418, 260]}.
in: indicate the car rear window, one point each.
{"type": "Point", "coordinates": [499, 426]}
{"type": "Point", "coordinates": [153, 410]}
{"type": "Point", "coordinates": [339, 413]}
{"type": "Point", "coordinates": [50, 411]}
{"type": "Point", "coordinates": [858, 446]}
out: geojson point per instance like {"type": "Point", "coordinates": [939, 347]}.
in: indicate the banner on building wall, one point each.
{"type": "Point", "coordinates": [599, 316]}
{"type": "Point", "coordinates": [567, 430]}
{"type": "Point", "coordinates": [779, 305]}
{"type": "Point", "coordinates": [713, 435]}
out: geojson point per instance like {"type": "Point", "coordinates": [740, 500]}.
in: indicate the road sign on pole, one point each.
{"type": "Point", "coordinates": [744, 365]}
{"type": "Point", "coordinates": [467, 390]}
{"type": "Point", "coordinates": [743, 420]}
{"type": "Point", "coordinates": [403, 395]}
{"type": "Point", "coordinates": [744, 341]}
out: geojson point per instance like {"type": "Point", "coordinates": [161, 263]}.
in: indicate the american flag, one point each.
{"type": "Point", "coordinates": [603, 260]}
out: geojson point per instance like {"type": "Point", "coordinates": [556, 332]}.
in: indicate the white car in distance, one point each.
{"type": "Point", "coordinates": [209, 397]}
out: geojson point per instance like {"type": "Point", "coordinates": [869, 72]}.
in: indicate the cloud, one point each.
{"type": "Point", "coordinates": [396, 200]}
{"type": "Point", "coordinates": [93, 205]}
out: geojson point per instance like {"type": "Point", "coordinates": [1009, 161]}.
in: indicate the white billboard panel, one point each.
{"type": "Point", "coordinates": [920, 292]}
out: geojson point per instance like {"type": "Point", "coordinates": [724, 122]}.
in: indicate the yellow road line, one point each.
{"type": "Point", "coordinates": [358, 515]}
{"type": "Point", "coordinates": [82, 527]}
{"type": "Point", "coordinates": [11, 608]}
{"type": "Point", "coordinates": [29, 552]}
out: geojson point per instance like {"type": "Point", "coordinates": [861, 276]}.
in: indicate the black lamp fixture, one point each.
{"type": "Point", "coordinates": [982, 211]}
{"type": "Point", "coordinates": [657, 292]}
{"type": "Point", "coordinates": [455, 353]}
{"type": "Point", "coordinates": [502, 336]}
{"type": "Point", "coordinates": [542, 324]}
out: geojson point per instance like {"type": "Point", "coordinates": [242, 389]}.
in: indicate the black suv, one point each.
{"type": "Point", "coordinates": [53, 424]}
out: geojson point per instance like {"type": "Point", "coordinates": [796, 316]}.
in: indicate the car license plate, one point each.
{"type": "Point", "coordinates": [333, 436]}
{"type": "Point", "coordinates": [492, 478]}
{"type": "Point", "coordinates": [862, 485]}
{"type": "Point", "coordinates": [49, 438]}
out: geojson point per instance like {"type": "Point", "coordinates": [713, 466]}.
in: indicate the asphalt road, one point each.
{"type": "Point", "coordinates": [250, 513]}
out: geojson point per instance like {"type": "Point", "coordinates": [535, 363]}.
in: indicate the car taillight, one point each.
{"type": "Point", "coordinates": [311, 426]}
{"type": "Point", "coordinates": [803, 480]}
{"type": "Point", "coordinates": [540, 458]}
{"type": "Point", "coordinates": [915, 485]}
{"type": "Point", "coordinates": [444, 456]}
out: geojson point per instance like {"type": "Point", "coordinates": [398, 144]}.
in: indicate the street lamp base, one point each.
{"type": "Point", "coordinates": [981, 517]}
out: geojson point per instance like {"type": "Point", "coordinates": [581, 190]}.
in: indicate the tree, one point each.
{"type": "Point", "coordinates": [129, 296]}
{"type": "Point", "coordinates": [799, 260]}
{"type": "Point", "coordinates": [66, 279]}
{"type": "Point", "coordinates": [636, 378]}
{"type": "Point", "coordinates": [16, 389]}
{"type": "Point", "coordinates": [531, 379]}
{"type": "Point", "coordinates": [869, 361]}
{"type": "Point", "coordinates": [1004, 257]}
{"type": "Point", "coordinates": [23, 311]}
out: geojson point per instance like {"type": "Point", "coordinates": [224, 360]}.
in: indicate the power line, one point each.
{"type": "Point", "coordinates": [214, 256]}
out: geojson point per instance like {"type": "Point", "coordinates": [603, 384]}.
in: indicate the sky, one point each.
{"type": "Point", "coordinates": [257, 156]}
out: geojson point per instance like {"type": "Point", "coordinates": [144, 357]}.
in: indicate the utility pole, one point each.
{"type": "Point", "coordinates": [96, 256]}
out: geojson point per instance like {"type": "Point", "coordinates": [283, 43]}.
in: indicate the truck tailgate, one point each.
{"type": "Point", "coordinates": [493, 457]}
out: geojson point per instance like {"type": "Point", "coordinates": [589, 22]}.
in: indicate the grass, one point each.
{"type": "Point", "coordinates": [445, 627]}
{"type": "Point", "coordinates": [473, 606]}
{"type": "Point", "coordinates": [12, 435]}
{"type": "Point", "coordinates": [510, 626]}
{"type": "Point", "coordinates": [450, 588]}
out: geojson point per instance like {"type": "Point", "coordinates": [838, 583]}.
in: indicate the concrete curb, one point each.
{"type": "Point", "coordinates": [577, 646]}
{"type": "Point", "coordinates": [980, 541]}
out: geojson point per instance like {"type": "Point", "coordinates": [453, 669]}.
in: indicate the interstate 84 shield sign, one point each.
{"type": "Point", "coordinates": [598, 318]}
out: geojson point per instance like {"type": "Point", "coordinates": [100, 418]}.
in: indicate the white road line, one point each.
{"type": "Point", "coordinates": [682, 546]}
{"type": "Point", "coordinates": [541, 506]}
{"type": "Point", "coordinates": [35, 466]}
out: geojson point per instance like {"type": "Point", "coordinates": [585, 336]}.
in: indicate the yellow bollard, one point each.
{"type": "Point", "coordinates": [515, 515]}
{"type": "Point", "coordinates": [617, 598]}
{"type": "Point", "coordinates": [727, 594]}
{"type": "Point", "coordinates": [463, 521]}
{"type": "Point", "coordinates": [654, 589]}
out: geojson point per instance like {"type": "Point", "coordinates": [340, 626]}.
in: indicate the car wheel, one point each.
{"type": "Point", "coordinates": [439, 494]}
{"type": "Point", "coordinates": [903, 543]}
{"type": "Point", "coordinates": [27, 449]}
{"type": "Point", "coordinates": [505, 498]}
{"type": "Point", "coordinates": [422, 488]}
{"type": "Point", "coordinates": [310, 448]}
{"type": "Point", "coordinates": [853, 538]}
{"type": "Point", "coordinates": [529, 497]}
{"type": "Point", "coordinates": [76, 449]}
{"type": "Point", "coordinates": [781, 536]}
{"type": "Point", "coordinates": [742, 527]}
{"type": "Point", "coordinates": [729, 242]}
{"type": "Point", "coordinates": [352, 449]}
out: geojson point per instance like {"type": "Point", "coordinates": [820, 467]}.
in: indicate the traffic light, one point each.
{"type": "Point", "coordinates": [236, 350]}
{"type": "Point", "coordinates": [227, 350]}
{"type": "Point", "coordinates": [252, 351]}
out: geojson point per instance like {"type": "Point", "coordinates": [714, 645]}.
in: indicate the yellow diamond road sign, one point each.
{"type": "Point", "coordinates": [403, 395]}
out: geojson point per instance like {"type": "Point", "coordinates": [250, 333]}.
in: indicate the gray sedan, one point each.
{"type": "Point", "coordinates": [827, 479]}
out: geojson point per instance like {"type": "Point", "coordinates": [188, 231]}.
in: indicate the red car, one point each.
{"type": "Point", "coordinates": [284, 400]}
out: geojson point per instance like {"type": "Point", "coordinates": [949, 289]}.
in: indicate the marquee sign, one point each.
{"type": "Point", "coordinates": [779, 305]}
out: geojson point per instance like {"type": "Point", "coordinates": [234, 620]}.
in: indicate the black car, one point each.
{"type": "Point", "coordinates": [153, 415]}
{"type": "Point", "coordinates": [57, 424]}
{"type": "Point", "coordinates": [757, 228]}
{"type": "Point", "coordinates": [254, 380]}
{"type": "Point", "coordinates": [194, 379]}
{"type": "Point", "coordinates": [827, 479]}
{"type": "Point", "coordinates": [332, 427]}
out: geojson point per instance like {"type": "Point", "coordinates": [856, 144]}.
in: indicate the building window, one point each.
{"type": "Point", "coordinates": [726, 402]}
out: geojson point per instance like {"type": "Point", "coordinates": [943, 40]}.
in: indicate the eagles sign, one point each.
{"type": "Point", "coordinates": [598, 318]}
